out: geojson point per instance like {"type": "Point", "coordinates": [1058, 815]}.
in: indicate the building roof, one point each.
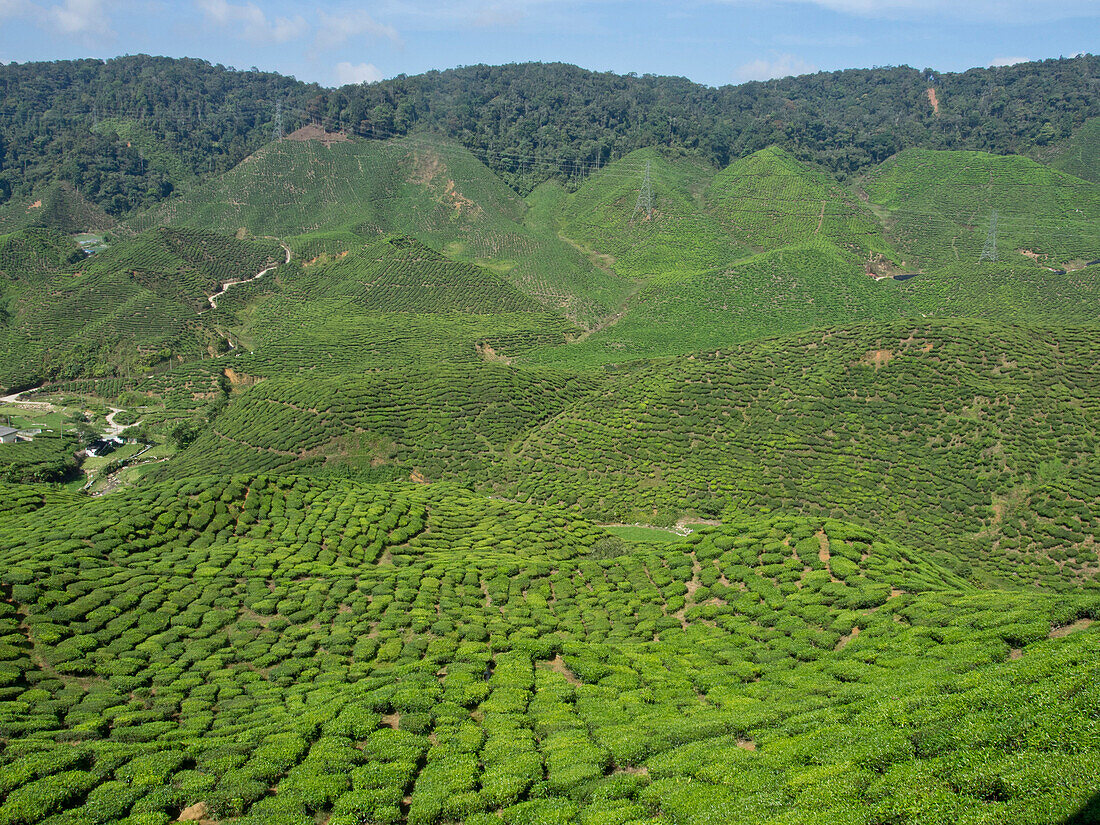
{"type": "Point", "coordinates": [7, 431]}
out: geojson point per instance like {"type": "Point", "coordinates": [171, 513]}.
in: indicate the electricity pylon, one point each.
{"type": "Point", "coordinates": [645, 197]}
{"type": "Point", "coordinates": [989, 251]}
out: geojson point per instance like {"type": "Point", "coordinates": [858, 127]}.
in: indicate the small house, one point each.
{"type": "Point", "coordinates": [104, 446]}
{"type": "Point", "coordinates": [8, 435]}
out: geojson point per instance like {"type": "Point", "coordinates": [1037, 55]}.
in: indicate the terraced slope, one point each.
{"type": "Point", "coordinates": [58, 207]}
{"type": "Point", "coordinates": [184, 265]}
{"type": "Point", "coordinates": [940, 204]}
{"type": "Point", "coordinates": [772, 200]}
{"type": "Point", "coordinates": [934, 433]}
{"type": "Point", "coordinates": [676, 239]}
{"type": "Point", "coordinates": [437, 422]}
{"type": "Point", "coordinates": [283, 649]}
{"type": "Point", "coordinates": [32, 255]}
{"type": "Point", "coordinates": [1079, 157]}
{"type": "Point", "coordinates": [793, 288]}
{"type": "Point", "coordinates": [433, 191]}
{"type": "Point", "coordinates": [120, 310]}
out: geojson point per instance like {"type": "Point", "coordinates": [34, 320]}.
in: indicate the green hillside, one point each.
{"type": "Point", "coordinates": [604, 215]}
{"type": "Point", "coordinates": [286, 649]}
{"type": "Point", "coordinates": [121, 310]}
{"type": "Point", "coordinates": [440, 423]}
{"type": "Point", "coordinates": [770, 200]}
{"type": "Point", "coordinates": [797, 287]}
{"type": "Point", "coordinates": [1079, 157]}
{"type": "Point", "coordinates": [184, 265]}
{"type": "Point", "coordinates": [427, 189]}
{"type": "Point", "coordinates": [932, 433]}
{"type": "Point", "coordinates": [940, 205]}
{"type": "Point", "coordinates": [30, 255]}
{"type": "Point", "coordinates": [59, 207]}
{"type": "Point", "coordinates": [598, 451]}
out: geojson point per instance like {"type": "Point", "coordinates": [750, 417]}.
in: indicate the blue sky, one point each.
{"type": "Point", "coordinates": [724, 41]}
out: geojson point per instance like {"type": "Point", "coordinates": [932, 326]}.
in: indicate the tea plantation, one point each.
{"type": "Point", "coordinates": [750, 496]}
{"type": "Point", "coordinates": [280, 648]}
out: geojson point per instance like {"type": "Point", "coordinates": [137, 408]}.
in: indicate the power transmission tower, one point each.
{"type": "Point", "coordinates": [277, 126]}
{"type": "Point", "coordinates": [645, 196]}
{"type": "Point", "coordinates": [989, 251]}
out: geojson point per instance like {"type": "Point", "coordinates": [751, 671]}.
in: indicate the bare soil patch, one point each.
{"type": "Point", "coordinates": [840, 645]}
{"type": "Point", "coordinates": [487, 352]}
{"type": "Point", "coordinates": [318, 133]}
{"type": "Point", "coordinates": [199, 812]}
{"type": "Point", "coordinates": [934, 100]}
{"type": "Point", "coordinates": [557, 664]}
{"type": "Point", "coordinates": [1065, 630]}
{"type": "Point", "coordinates": [878, 358]}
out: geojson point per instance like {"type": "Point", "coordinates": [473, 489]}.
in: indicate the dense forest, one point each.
{"type": "Point", "coordinates": [132, 131]}
{"type": "Point", "coordinates": [128, 132]}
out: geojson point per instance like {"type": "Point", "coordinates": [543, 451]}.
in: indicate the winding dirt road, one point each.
{"type": "Point", "coordinates": [213, 299]}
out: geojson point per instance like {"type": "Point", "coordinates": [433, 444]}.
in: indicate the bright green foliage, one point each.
{"type": "Point", "coordinates": [128, 307]}
{"type": "Point", "coordinates": [1079, 157]}
{"type": "Point", "coordinates": [932, 432]}
{"type": "Point", "coordinates": [430, 190]}
{"type": "Point", "coordinates": [771, 200]}
{"type": "Point", "coordinates": [678, 238]}
{"type": "Point", "coordinates": [940, 205]}
{"type": "Point", "coordinates": [446, 422]}
{"type": "Point", "coordinates": [211, 640]}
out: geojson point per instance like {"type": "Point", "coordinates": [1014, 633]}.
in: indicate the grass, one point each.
{"type": "Point", "coordinates": [638, 533]}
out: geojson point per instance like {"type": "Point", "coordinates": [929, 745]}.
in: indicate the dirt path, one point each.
{"type": "Point", "coordinates": [115, 430]}
{"type": "Point", "coordinates": [41, 405]}
{"type": "Point", "coordinates": [213, 299]}
{"type": "Point", "coordinates": [820, 218]}
{"type": "Point", "coordinates": [611, 320]}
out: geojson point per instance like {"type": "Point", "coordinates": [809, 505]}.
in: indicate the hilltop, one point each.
{"type": "Point", "coordinates": [138, 146]}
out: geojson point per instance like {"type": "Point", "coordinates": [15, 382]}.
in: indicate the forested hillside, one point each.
{"type": "Point", "coordinates": [132, 131]}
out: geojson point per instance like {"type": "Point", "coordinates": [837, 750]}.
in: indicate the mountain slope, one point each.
{"type": "Point", "coordinates": [928, 431]}
{"type": "Point", "coordinates": [428, 189]}
{"type": "Point", "coordinates": [419, 653]}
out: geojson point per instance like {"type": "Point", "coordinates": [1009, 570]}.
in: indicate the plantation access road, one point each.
{"type": "Point", "coordinates": [42, 405]}
{"type": "Point", "coordinates": [213, 299]}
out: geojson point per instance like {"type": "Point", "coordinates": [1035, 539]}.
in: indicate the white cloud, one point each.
{"type": "Point", "coordinates": [1008, 61]}
{"type": "Point", "coordinates": [86, 17]}
{"type": "Point", "coordinates": [252, 22]}
{"type": "Point", "coordinates": [985, 10]}
{"type": "Point", "coordinates": [782, 65]}
{"type": "Point", "coordinates": [336, 29]}
{"type": "Point", "coordinates": [14, 8]}
{"type": "Point", "coordinates": [346, 73]}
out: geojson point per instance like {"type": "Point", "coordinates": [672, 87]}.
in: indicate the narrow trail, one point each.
{"type": "Point", "coordinates": [820, 218]}
{"type": "Point", "coordinates": [213, 299]}
{"type": "Point", "coordinates": [115, 430]}
{"type": "Point", "coordinates": [41, 405]}
{"type": "Point", "coordinates": [613, 319]}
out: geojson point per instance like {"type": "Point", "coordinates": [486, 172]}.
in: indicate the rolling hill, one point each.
{"type": "Point", "coordinates": [931, 432]}
{"type": "Point", "coordinates": [706, 476]}
{"type": "Point", "coordinates": [315, 183]}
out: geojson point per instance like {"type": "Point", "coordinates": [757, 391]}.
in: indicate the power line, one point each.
{"type": "Point", "coordinates": [989, 251]}
{"type": "Point", "coordinates": [277, 125]}
{"type": "Point", "coordinates": [645, 196]}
